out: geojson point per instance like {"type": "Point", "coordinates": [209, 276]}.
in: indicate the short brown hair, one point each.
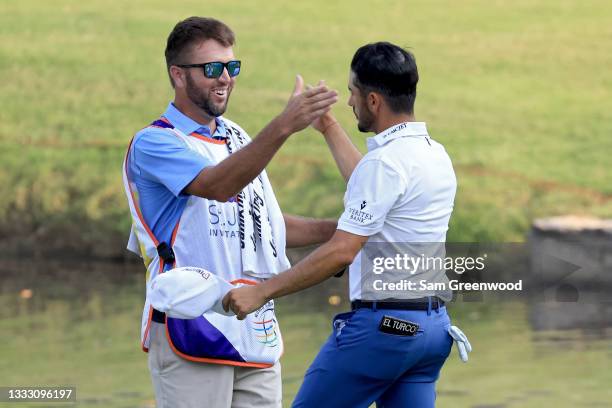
{"type": "Point", "coordinates": [193, 30]}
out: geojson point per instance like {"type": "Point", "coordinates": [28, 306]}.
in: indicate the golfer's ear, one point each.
{"type": "Point", "coordinates": [373, 101]}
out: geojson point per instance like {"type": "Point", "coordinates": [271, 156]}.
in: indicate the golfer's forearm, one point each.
{"type": "Point", "coordinates": [320, 265]}
{"type": "Point", "coordinates": [307, 231]}
{"type": "Point", "coordinates": [344, 151]}
{"type": "Point", "coordinates": [230, 176]}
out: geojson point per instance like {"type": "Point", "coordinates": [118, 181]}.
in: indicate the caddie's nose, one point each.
{"type": "Point", "coordinates": [225, 76]}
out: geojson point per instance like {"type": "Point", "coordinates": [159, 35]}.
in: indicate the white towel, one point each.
{"type": "Point", "coordinates": [261, 223]}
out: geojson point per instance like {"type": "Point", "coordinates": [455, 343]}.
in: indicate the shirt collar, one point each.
{"type": "Point", "coordinates": [187, 125]}
{"type": "Point", "coordinates": [405, 129]}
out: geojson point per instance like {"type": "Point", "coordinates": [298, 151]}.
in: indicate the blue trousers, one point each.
{"type": "Point", "coordinates": [359, 364]}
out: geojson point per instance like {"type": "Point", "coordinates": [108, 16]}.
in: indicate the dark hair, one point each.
{"type": "Point", "coordinates": [191, 31]}
{"type": "Point", "coordinates": [389, 70]}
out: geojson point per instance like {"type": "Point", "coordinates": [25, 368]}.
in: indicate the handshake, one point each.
{"type": "Point", "coordinates": [307, 106]}
{"type": "Point", "coordinates": [189, 292]}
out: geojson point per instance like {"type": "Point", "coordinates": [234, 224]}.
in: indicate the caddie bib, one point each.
{"type": "Point", "coordinates": [207, 236]}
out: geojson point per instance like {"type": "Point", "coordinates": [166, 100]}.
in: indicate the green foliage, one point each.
{"type": "Point", "coordinates": [517, 92]}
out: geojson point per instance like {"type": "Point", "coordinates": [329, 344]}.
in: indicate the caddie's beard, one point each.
{"type": "Point", "coordinates": [201, 99]}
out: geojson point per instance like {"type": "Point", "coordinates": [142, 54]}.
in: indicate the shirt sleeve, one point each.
{"type": "Point", "coordinates": [373, 189]}
{"type": "Point", "coordinates": [162, 157]}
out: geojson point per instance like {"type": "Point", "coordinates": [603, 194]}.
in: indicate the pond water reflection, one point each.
{"type": "Point", "coordinates": [77, 323]}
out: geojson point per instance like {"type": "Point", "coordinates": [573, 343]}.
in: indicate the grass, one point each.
{"type": "Point", "coordinates": [516, 91]}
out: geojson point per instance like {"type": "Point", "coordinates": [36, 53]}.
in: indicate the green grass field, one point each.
{"type": "Point", "coordinates": [520, 93]}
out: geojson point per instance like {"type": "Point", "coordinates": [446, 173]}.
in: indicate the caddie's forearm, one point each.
{"type": "Point", "coordinates": [343, 150]}
{"type": "Point", "coordinates": [230, 176]}
{"type": "Point", "coordinates": [303, 231]}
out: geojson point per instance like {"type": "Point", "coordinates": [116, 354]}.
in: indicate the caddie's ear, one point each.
{"type": "Point", "coordinates": [178, 76]}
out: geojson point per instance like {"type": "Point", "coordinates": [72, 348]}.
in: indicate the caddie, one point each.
{"type": "Point", "coordinates": [199, 197]}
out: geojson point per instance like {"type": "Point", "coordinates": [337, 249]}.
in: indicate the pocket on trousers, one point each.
{"type": "Point", "coordinates": [159, 350]}
{"type": "Point", "coordinates": [153, 352]}
{"type": "Point", "coordinates": [339, 322]}
{"type": "Point", "coordinates": [445, 351]}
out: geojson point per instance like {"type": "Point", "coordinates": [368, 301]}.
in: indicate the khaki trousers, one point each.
{"type": "Point", "coordinates": [179, 383]}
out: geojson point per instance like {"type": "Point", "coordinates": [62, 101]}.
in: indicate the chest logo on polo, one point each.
{"type": "Point", "coordinates": [399, 327]}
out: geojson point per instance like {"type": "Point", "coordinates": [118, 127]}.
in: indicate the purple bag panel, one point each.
{"type": "Point", "coordinates": [199, 338]}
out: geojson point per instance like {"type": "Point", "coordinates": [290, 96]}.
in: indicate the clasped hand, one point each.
{"type": "Point", "coordinates": [244, 300]}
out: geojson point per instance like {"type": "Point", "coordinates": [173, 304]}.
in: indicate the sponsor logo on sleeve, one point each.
{"type": "Point", "coordinates": [360, 215]}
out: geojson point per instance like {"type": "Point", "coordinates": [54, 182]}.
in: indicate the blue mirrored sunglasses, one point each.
{"type": "Point", "coordinates": [215, 69]}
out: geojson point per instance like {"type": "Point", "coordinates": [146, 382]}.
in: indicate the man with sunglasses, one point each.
{"type": "Point", "coordinates": [199, 196]}
{"type": "Point", "coordinates": [390, 348]}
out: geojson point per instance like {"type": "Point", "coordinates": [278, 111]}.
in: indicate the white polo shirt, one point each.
{"type": "Point", "coordinates": [401, 191]}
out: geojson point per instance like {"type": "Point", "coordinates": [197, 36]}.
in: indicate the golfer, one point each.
{"type": "Point", "coordinates": [389, 351]}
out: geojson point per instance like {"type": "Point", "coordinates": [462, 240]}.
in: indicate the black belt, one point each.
{"type": "Point", "coordinates": [159, 317]}
{"type": "Point", "coordinates": [413, 304]}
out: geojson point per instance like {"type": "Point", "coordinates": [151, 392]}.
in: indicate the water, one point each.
{"type": "Point", "coordinates": [77, 323]}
